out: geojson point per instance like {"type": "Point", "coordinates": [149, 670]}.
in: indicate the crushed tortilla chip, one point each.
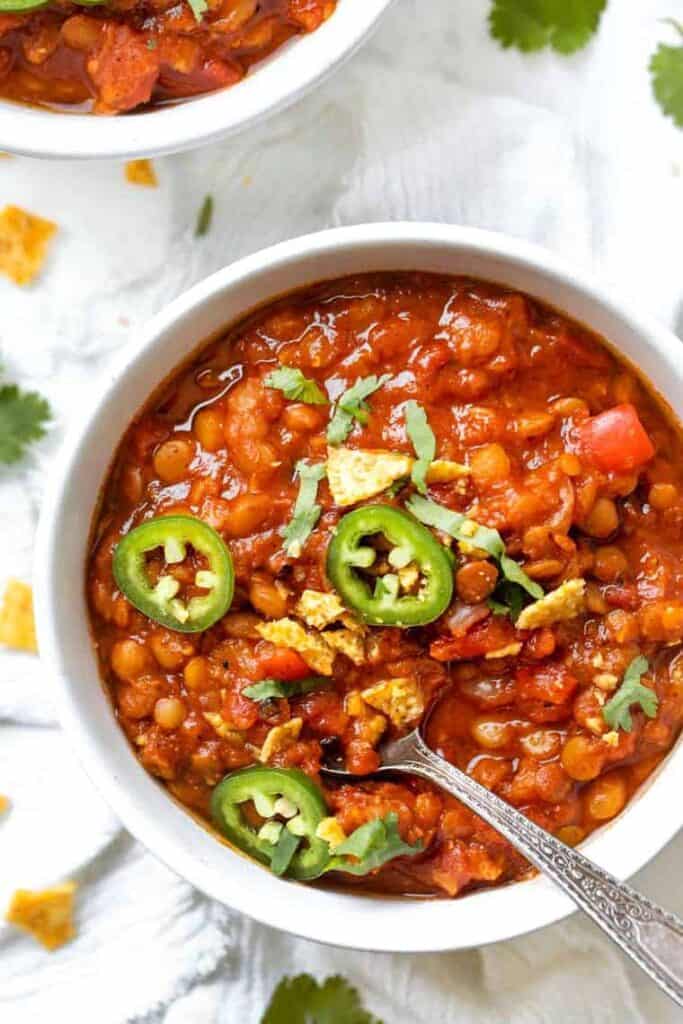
{"type": "Point", "coordinates": [17, 626]}
{"type": "Point", "coordinates": [4, 803]}
{"type": "Point", "coordinates": [224, 729]}
{"type": "Point", "coordinates": [331, 831]}
{"type": "Point", "coordinates": [24, 239]}
{"type": "Point", "coordinates": [315, 651]}
{"type": "Point", "coordinates": [444, 471]}
{"type": "Point", "coordinates": [46, 914]}
{"type": "Point", "coordinates": [399, 699]}
{"type": "Point", "coordinates": [505, 652]}
{"type": "Point", "coordinates": [347, 642]}
{"type": "Point", "coordinates": [141, 172]}
{"type": "Point", "coordinates": [373, 725]}
{"type": "Point", "coordinates": [611, 738]}
{"type": "Point", "coordinates": [318, 608]}
{"type": "Point", "coordinates": [354, 475]}
{"type": "Point", "coordinates": [566, 602]}
{"type": "Point", "coordinates": [279, 738]}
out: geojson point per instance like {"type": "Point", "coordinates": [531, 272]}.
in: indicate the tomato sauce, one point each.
{"type": "Point", "coordinates": [125, 55]}
{"type": "Point", "coordinates": [512, 389]}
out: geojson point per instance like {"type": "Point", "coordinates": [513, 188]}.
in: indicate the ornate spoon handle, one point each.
{"type": "Point", "coordinates": [651, 936]}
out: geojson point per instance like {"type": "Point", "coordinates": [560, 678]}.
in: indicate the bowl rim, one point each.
{"type": "Point", "coordinates": [622, 847]}
{"type": "Point", "coordinates": [274, 84]}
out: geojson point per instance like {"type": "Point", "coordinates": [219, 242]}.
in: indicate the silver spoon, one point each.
{"type": "Point", "coordinates": [650, 935]}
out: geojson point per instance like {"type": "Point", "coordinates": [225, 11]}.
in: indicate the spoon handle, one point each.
{"type": "Point", "coordinates": [651, 936]}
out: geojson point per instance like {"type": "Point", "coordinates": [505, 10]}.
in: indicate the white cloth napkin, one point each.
{"type": "Point", "coordinates": [430, 121]}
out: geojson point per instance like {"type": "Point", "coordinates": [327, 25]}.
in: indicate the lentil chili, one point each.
{"type": "Point", "coordinates": [120, 55]}
{"type": "Point", "coordinates": [531, 492]}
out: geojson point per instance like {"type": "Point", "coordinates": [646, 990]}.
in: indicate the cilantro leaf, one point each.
{"type": "Point", "coordinates": [566, 25]}
{"type": "Point", "coordinates": [306, 511]}
{"type": "Point", "coordinates": [199, 8]}
{"type": "Point", "coordinates": [23, 415]}
{"type": "Point", "coordinates": [372, 844]}
{"type": "Point", "coordinates": [424, 443]}
{"type": "Point", "coordinates": [204, 217]}
{"type": "Point", "coordinates": [351, 405]}
{"type": "Point", "coordinates": [295, 386]}
{"type": "Point", "coordinates": [471, 534]}
{"type": "Point", "coordinates": [285, 848]}
{"type": "Point", "coordinates": [269, 688]}
{"type": "Point", "coordinates": [302, 1000]}
{"type": "Point", "coordinates": [666, 69]}
{"type": "Point", "coordinates": [616, 711]}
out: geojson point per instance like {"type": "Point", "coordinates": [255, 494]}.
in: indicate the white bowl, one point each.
{"type": "Point", "coordinates": [341, 918]}
{"type": "Point", "coordinates": [270, 86]}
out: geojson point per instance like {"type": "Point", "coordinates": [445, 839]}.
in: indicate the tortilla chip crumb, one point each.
{"type": "Point", "coordinates": [566, 602]}
{"type": "Point", "coordinates": [318, 608]}
{"type": "Point", "coordinates": [224, 729]}
{"type": "Point", "coordinates": [4, 804]}
{"type": "Point", "coordinates": [46, 914]}
{"type": "Point", "coordinates": [141, 172]}
{"type": "Point", "coordinates": [347, 642]}
{"type": "Point", "coordinates": [24, 239]}
{"type": "Point", "coordinates": [509, 651]}
{"type": "Point", "coordinates": [331, 831]}
{"type": "Point", "coordinates": [17, 626]}
{"type": "Point", "coordinates": [400, 699]}
{"type": "Point", "coordinates": [279, 738]}
{"type": "Point", "coordinates": [310, 645]}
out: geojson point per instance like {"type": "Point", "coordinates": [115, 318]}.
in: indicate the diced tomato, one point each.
{"type": "Point", "coordinates": [615, 441]}
{"type": "Point", "coordinates": [552, 684]}
{"type": "Point", "coordinates": [123, 69]}
{"type": "Point", "coordinates": [283, 663]}
{"type": "Point", "coordinates": [492, 635]}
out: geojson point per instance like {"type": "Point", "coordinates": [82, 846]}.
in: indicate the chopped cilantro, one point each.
{"type": "Point", "coordinates": [351, 405]}
{"type": "Point", "coordinates": [372, 845]}
{"type": "Point", "coordinates": [616, 711]}
{"type": "Point", "coordinates": [306, 511]}
{"type": "Point", "coordinates": [269, 688]}
{"type": "Point", "coordinates": [295, 386]}
{"type": "Point", "coordinates": [285, 848]}
{"type": "Point", "coordinates": [483, 538]}
{"type": "Point", "coordinates": [151, 44]}
{"type": "Point", "coordinates": [424, 443]}
{"type": "Point", "coordinates": [566, 25]}
{"type": "Point", "coordinates": [199, 8]}
{"type": "Point", "coordinates": [204, 217]}
{"type": "Point", "coordinates": [666, 69]}
{"type": "Point", "coordinates": [302, 1000]}
{"type": "Point", "coordinates": [23, 415]}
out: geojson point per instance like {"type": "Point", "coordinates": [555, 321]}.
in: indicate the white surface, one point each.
{"type": "Point", "coordinates": [61, 555]}
{"type": "Point", "coordinates": [284, 77]}
{"type": "Point", "coordinates": [432, 121]}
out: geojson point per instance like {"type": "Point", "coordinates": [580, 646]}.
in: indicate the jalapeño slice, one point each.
{"type": "Point", "coordinates": [292, 806]}
{"type": "Point", "coordinates": [350, 552]}
{"type": "Point", "coordinates": [160, 601]}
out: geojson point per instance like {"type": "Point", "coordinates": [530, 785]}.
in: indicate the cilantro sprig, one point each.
{"type": "Point", "coordinates": [564, 25]}
{"type": "Point", "coordinates": [267, 689]}
{"type": "Point", "coordinates": [303, 1000]}
{"type": "Point", "coordinates": [371, 845]}
{"type": "Point", "coordinates": [666, 70]}
{"type": "Point", "coordinates": [23, 419]}
{"type": "Point", "coordinates": [352, 406]}
{"type": "Point", "coordinates": [306, 511]}
{"type": "Point", "coordinates": [617, 710]}
{"type": "Point", "coordinates": [511, 592]}
{"type": "Point", "coordinates": [295, 386]}
{"type": "Point", "coordinates": [423, 441]}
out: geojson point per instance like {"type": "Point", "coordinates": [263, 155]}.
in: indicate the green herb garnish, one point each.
{"type": "Point", "coordinates": [372, 845]}
{"type": "Point", "coordinates": [302, 1000]}
{"type": "Point", "coordinates": [295, 386]}
{"type": "Point", "coordinates": [306, 511]}
{"type": "Point", "coordinates": [666, 69]}
{"type": "Point", "coordinates": [424, 443]}
{"type": "Point", "coordinates": [616, 711]}
{"type": "Point", "coordinates": [23, 416]}
{"type": "Point", "coordinates": [199, 8]}
{"type": "Point", "coordinates": [352, 405]}
{"type": "Point", "coordinates": [268, 689]}
{"type": "Point", "coordinates": [204, 217]}
{"type": "Point", "coordinates": [565, 25]}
